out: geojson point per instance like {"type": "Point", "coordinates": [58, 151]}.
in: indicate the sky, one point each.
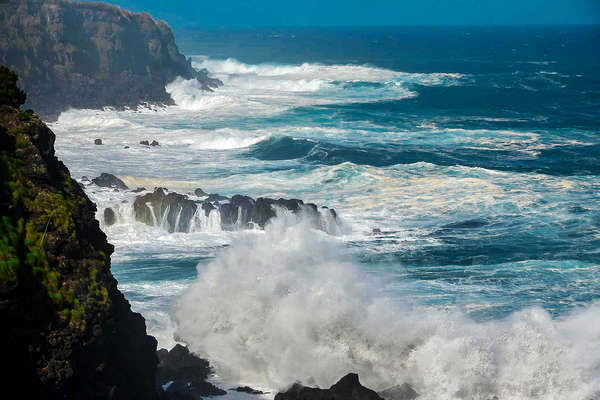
{"type": "Point", "coordinates": [277, 13]}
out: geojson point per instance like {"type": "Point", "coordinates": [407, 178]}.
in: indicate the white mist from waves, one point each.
{"type": "Point", "coordinates": [284, 306]}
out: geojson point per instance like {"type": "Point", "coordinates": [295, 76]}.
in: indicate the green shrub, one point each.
{"type": "Point", "coordinates": [10, 93]}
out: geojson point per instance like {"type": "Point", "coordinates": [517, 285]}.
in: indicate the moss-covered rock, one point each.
{"type": "Point", "coordinates": [67, 330]}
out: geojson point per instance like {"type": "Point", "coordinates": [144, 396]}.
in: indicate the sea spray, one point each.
{"type": "Point", "coordinates": [285, 306]}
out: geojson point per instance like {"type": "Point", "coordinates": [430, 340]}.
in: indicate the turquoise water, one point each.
{"type": "Point", "coordinates": [474, 151]}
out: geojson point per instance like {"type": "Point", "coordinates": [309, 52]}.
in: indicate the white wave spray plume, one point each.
{"type": "Point", "coordinates": [284, 306]}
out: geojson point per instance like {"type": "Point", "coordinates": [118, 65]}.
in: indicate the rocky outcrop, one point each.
{"type": "Point", "coordinates": [400, 392]}
{"type": "Point", "coordinates": [182, 375]}
{"type": "Point", "coordinates": [177, 213]}
{"type": "Point", "coordinates": [109, 181]}
{"type": "Point", "coordinates": [172, 211]}
{"type": "Point", "coordinates": [90, 55]}
{"type": "Point", "coordinates": [67, 331]}
{"type": "Point", "coordinates": [347, 388]}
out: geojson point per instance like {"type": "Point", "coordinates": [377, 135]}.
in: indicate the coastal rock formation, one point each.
{"type": "Point", "coordinates": [90, 55]}
{"type": "Point", "coordinates": [182, 375]}
{"type": "Point", "coordinates": [67, 331]}
{"type": "Point", "coordinates": [347, 388]}
{"type": "Point", "coordinates": [109, 181]}
{"type": "Point", "coordinates": [177, 213]}
{"type": "Point", "coordinates": [400, 392]}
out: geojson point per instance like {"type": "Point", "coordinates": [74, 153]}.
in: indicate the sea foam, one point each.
{"type": "Point", "coordinates": [285, 306]}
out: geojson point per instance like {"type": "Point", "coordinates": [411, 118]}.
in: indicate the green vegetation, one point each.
{"type": "Point", "coordinates": [10, 93]}
{"type": "Point", "coordinates": [38, 222]}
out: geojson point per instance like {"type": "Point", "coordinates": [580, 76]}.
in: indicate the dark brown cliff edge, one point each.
{"type": "Point", "coordinates": [89, 55]}
{"type": "Point", "coordinates": [67, 332]}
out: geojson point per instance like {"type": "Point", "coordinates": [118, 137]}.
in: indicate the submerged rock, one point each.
{"type": "Point", "coordinates": [183, 375]}
{"type": "Point", "coordinates": [400, 392]}
{"type": "Point", "coordinates": [109, 181]}
{"type": "Point", "coordinates": [98, 141]}
{"type": "Point", "coordinates": [347, 388]}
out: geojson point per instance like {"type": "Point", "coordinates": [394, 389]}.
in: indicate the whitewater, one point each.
{"type": "Point", "coordinates": [465, 261]}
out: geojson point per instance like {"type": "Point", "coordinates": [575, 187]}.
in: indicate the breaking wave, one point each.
{"type": "Point", "coordinates": [285, 305]}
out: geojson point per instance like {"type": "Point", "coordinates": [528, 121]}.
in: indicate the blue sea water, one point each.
{"type": "Point", "coordinates": [475, 151]}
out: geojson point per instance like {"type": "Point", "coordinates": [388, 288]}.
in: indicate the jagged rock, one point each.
{"type": "Point", "coordinates": [400, 392]}
{"type": "Point", "coordinates": [145, 142]}
{"type": "Point", "coordinates": [154, 143]}
{"type": "Point", "coordinates": [216, 197]}
{"type": "Point", "coordinates": [68, 331]}
{"type": "Point", "coordinates": [248, 389]}
{"type": "Point", "coordinates": [85, 179]}
{"type": "Point", "coordinates": [98, 141]}
{"type": "Point", "coordinates": [347, 388]}
{"type": "Point", "coordinates": [109, 181]}
{"type": "Point", "coordinates": [173, 211]}
{"type": "Point", "coordinates": [185, 374]}
{"type": "Point", "coordinates": [109, 217]}
{"type": "Point", "coordinates": [200, 193]}
{"type": "Point", "coordinates": [94, 55]}
{"type": "Point", "coordinates": [239, 212]}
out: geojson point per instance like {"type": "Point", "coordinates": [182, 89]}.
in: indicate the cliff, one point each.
{"type": "Point", "coordinates": [89, 55]}
{"type": "Point", "coordinates": [67, 332]}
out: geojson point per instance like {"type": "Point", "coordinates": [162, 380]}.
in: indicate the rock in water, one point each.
{"type": "Point", "coordinates": [248, 389]}
{"type": "Point", "coordinates": [185, 374]}
{"type": "Point", "coordinates": [401, 392]}
{"type": "Point", "coordinates": [67, 330]}
{"type": "Point", "coordinates": [154, 143]}
{"type": "Point", "coordinates": [98, 141]}
{"type": "Point", "coordinates": [200, 193]}
{"type": "Point", "coordinates": [144, 142]}
{"type": "Point", "coordinates": [109, 217]}
{"type": "Point", "coordinates": [172, 211]}
{"type": "Point", "coordinates": [110, 181]}
{"type": "Point", "coordinates": [347, 388]}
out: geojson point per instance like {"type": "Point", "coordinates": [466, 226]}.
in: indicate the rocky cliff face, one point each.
{"type": "Point", "coordinates": [89, 55]}
{"type": "Point", "coordinates": [67, 332]}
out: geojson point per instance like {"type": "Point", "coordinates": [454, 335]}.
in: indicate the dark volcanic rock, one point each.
{"type": "Point", "coordinates": [347, 388]}
{"type": "Point", "coordinates": [248, 389]}
{"type": "Point", "coordinates": [154, 143]}
{"type": "Point", "coordinates": [145, 142]}
{"type": "Point", "coordinates": [90, 55]}
{"type": "Point", "coordinates": [200, 193]}
{"type": "Point", "coordinates": [173, 211]}
{"type": "Point", "coordinates": [67, 331]}
{"type": "Point", "coordinates": [109, 217]}
{"type": "Point", "coordinates": [401, 392]}
{"type": "Point", "coordinates": [110, 181]}
{"type": "Point", "coordinates": [185, 373]}
{"type": "Point", "coordinates": [138, 190]}
{"type": "Point", "coordinates": [98, 141]}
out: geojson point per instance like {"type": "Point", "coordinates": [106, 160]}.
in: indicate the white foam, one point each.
{"type": "Point", "coordinates": [284, 306]}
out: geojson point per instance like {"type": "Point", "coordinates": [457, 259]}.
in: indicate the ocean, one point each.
{"type": "Point", "coordinates": [463, 163]}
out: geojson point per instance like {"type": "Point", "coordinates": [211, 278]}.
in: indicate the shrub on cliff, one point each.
{"type": "Point", "coordinates": [10, 94]}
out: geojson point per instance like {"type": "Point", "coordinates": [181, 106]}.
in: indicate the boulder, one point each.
{"type": "Point", "coordinates": [98, 141]}
{"type": "Point", "coordinates": [400, 392]}
{"type": "Point", "coordinates": [173, 211]}
{"type": "Point", "coordinates": [154, 143]}
{"type": "Point", "coordinates": [109, 217]}
{"type": "Point", "coordinates": [347, 388]}
{"type": "Point", "coordinates": [184, 375]}
{"type": "Point", "coordinates": [109, 181]}
{"type": "Point", "coordinates": [248, 389]}
{"type": "Point", "coordinates": [145, 142]}
{"type": "Point", "coordinates": [200, 193]}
